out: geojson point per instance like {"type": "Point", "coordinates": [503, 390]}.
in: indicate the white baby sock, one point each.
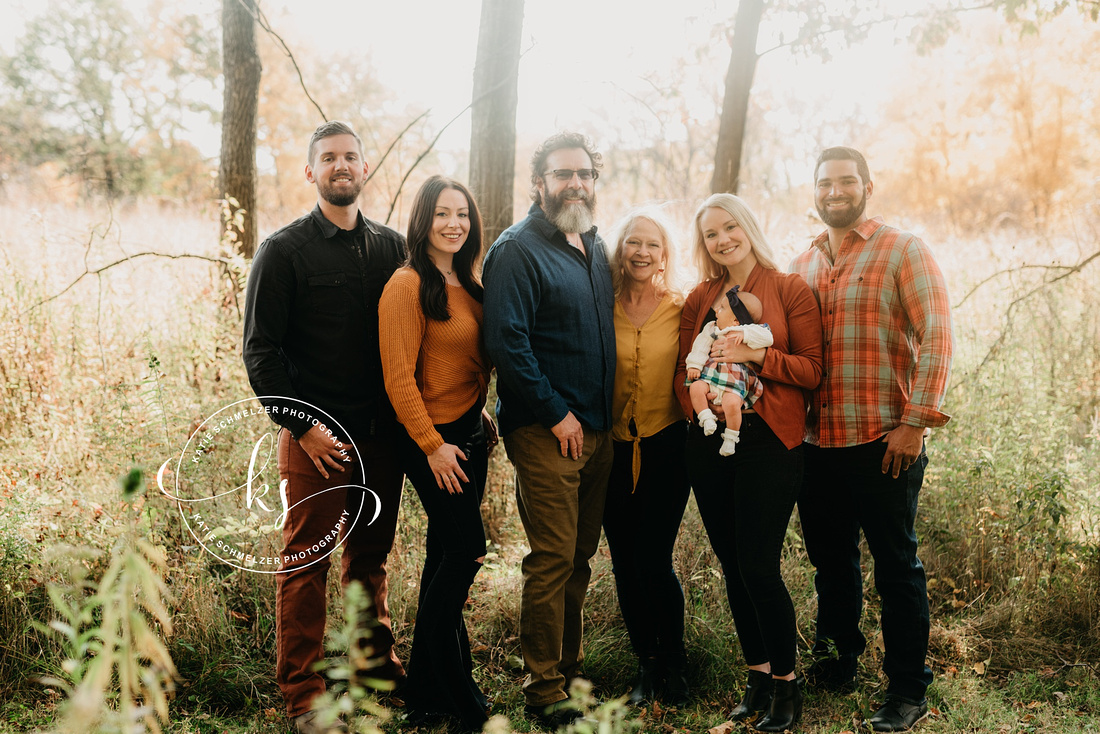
{"type": "Point", "coordinates": [730, 438]}
{"type": "Point", "coordinates": [708, 422]}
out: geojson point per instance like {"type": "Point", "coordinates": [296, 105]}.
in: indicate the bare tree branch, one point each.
{"type": "Point", "coordinates": [378, 166]}
{"type": "Point", "coordinates": [642, 102]}
{"type": "Point", "coordinates": [262, 21]}
{"type": "Point", "coordinates": [1068, 664]}
{"type": "Point", "coordinates": [424, 153]}
{"type": "Point", "coordinates": [872, 24]}
{"type": "Point", "coordinates": [100, 270]}
{"type": "Point", "coordinates": [1019, 268]}
{"type": "Point", "coordinates": [422, 156]}
{"type": "Point", "coordinates": [1010, 314]}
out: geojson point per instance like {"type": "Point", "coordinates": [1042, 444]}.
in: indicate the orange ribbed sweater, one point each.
{"type": "Point", "coordinates": [435, 371]}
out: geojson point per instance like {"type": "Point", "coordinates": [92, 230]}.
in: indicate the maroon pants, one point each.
{"type": "Point", "coordinates": [300, 598]}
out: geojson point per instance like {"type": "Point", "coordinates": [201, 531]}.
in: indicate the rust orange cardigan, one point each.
{"type": "Point", "coordinates": [792, 365]}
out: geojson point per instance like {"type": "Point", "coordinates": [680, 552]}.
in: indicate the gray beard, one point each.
{"type": "Point", "coordinates": [573, 218]}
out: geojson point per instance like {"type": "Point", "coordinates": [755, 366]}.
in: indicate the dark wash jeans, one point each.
{"type": "Point", "coordinates": [641, 525]}
{"type": "Point", "coordinates": [746, 501]}
{"type": "Point", "coordinates": [440, 668]}
{"type": "Point", "coordinates": [845, 490]}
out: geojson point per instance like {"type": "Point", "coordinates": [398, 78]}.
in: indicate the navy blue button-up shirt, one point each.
{"type": "Point", "coordinates": [549, 326]}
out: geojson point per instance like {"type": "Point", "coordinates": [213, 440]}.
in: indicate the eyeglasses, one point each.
{"type": "Point", "coordinates": [566, 174]}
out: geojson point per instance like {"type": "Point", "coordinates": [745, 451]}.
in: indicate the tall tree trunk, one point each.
{"type": "Point", "coordinates": [493, 116]}
{"type": "Point", "coordinates": [735, 103]}
{"type": "Point", "coordinates": [241, 70]}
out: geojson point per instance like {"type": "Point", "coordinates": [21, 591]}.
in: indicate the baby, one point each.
{"type": "Point", "coordinates": [733, 384]}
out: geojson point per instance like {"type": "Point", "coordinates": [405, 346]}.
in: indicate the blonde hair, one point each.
{"type": "Point", "coordinates": [665, 281]}
{"type": "Point", "coordinates": [739, 210]}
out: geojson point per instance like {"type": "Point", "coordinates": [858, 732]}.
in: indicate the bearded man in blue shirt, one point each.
{"type": "Point", "coordinates": [549, 330]}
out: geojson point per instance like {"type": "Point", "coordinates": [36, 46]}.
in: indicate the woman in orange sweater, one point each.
{"type": "Point", "coordinates": [437, 375]}
{"type": "Point", "coordinates": [745, 500]}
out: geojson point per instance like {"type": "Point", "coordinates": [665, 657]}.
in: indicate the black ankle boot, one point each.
{"type": "Point", "coordinates": [758, 694]}
{"type": "Point", "coordinates": [785, 709]}
{"type": "Point", "coordinates": [645, 686]}
{"type": "Point", "coordinates": [677, 691]}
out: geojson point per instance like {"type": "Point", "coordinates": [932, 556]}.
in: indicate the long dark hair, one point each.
{"type": "Point", "coordinates": [466, 262]}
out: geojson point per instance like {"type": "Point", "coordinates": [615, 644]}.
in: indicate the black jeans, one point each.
{"type": "Point", "coordinates": [845, 490]}
{"type": "Point", "coordinates": [440, 668]}
{"type": "Point", "coordinates": [746, 501]}
{"type": "Point", "coordinates": [641, 526]}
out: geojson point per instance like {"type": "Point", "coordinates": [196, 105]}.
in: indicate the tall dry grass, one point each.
{"type": "Point", "coordinates": [117, 371]}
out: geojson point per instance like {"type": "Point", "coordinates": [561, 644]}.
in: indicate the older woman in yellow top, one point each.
{"type": "Point", "coordinates": [648, 488]}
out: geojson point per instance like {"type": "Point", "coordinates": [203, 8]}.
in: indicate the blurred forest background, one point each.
{"type": "Point", "coordinates": [124, 256]}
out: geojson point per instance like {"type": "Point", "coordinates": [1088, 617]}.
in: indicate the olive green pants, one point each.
{"type": "Point", "coordinates": [561, 505]}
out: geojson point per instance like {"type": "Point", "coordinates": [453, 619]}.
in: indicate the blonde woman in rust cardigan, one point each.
{"type": "Point", "coordinates": [746, 499]}
{"type": "Point", "coordinates": [437, 375]}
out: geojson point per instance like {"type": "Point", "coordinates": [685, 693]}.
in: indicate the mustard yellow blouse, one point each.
{"type": "Point", "coordinates": [644, 372]}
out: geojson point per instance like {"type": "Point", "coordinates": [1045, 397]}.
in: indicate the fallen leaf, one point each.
{"type": "Point", "coordinates": [979, 668]}
{"type": "Point", "coordinates": [724, 728]}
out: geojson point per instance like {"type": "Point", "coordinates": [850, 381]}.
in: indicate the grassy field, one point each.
{"type": "Point", "coordinates": [116, 372]}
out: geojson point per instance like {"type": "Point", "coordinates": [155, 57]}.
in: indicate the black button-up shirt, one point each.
{"type": "Point", "coordinates": [311, 321]}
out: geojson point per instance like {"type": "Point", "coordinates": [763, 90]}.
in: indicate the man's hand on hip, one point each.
{"type": "Point", "coordinates": [571, 436]}
{"type": "Point", "coordinates": [321, 447]}
{"type": "Point", "coordinates": [903, 445]}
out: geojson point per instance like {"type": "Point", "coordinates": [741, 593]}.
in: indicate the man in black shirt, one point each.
{"type": "Point", "coordinates": [311, 351]}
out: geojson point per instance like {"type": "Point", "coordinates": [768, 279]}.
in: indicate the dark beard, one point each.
{"type": "Point", "coordinates": [338, 198]}
{"type": "Point", "coordinates": [570, 218]}
{"type": "Point", "coordinates": [843, 219]}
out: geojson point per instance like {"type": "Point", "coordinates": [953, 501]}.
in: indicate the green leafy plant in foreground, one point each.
{"type": "Point", "coordinates": [118, 673]}
{"type": "Point", "coordinates": [351, 695]}
{"type": "Point", "coordinates": [610, 717]}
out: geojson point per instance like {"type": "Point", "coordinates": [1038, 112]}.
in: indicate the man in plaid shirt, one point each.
{"type": "Point", "coordinates": [888, 343]}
